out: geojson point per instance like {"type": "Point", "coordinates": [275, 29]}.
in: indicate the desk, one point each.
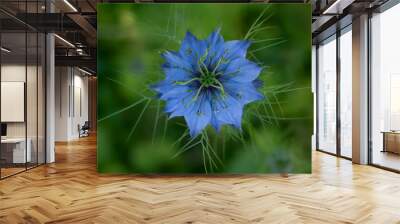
{"type": "Point", "coordinates": [391, 141]}
{"type": "Point", "coordinates": [16, 147]}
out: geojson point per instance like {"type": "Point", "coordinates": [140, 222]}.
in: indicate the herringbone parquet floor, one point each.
{"type": "Point", "coordinates": [71, 191]}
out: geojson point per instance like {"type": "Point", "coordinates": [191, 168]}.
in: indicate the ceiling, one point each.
{"type": "Point", "coordinates": [75, 22]}
{"type": "Point", "coordinates": [331, 15]}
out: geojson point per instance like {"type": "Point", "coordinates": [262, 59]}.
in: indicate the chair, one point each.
{"type": "Point", "coordinates": [84, 130]}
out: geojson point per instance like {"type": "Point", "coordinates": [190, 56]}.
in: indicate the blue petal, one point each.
{"type": "Point", "coordinates": [243, 92]}
{"type": "Point", "coordinates": [192, 49]}
{"type": "Point", "coordinates": [215, 46]}
{"type": "Point", "coordinates": [227, 110]}
{"type": "Point", "coordinates": [172, 105]}
{"type": "Point", "coordinates": [241, 70]}
{"type": "Point", "coordinates": [198, 115]}
{"type": "Point", "coordinates": [176, 74]}
{"type": "Point", "coordinates": [175, 91]}
{"type": "Point", "coordinates": [236, 49]}
{"type": "Point", "coordinates": [174, 60]}
{"type": "Point", "coordinates": [178, 106]}
{"type": "Point", "coordinates": [161, 86]}
{"type": "Point", "coordinates": [169, 90]}
{"type": "Point", "coordinates": [215, 123]}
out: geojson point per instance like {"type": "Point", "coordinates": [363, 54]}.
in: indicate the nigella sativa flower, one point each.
{"type": "Point", "coordinates": [209, 82]}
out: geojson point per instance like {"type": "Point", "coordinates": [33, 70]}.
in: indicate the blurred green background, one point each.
{"type": "Point", "coordinates": [134, 134]}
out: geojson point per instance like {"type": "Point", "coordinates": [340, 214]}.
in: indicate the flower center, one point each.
{"type": "Point", "coordinates": [208, 79]}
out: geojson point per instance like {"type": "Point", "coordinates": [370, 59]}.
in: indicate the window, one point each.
{"type": "Point", "coordinates": [346, 92]}
{"type": "Point", "coordinates": [385, 89]}
{"type": "Point", "coordinates": [327, 95]}
{"type": "Point", "coordinates": [22, 101]}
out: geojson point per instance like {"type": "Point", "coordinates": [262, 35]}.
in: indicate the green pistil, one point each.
{"type": "Point", "coordinates": [207, 78]}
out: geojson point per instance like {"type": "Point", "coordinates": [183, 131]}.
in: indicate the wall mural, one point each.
{"type": "Point", "coordinates": [204, 88]}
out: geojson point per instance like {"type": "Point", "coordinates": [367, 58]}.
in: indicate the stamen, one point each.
{"type": "Point", "coordinates": [218, 64]}
{"type": "Point", "coordinates": [186, 82]}
{"type": "Point", "coordinates": [221, 86]}
{"type": "Point", "coordinates": [198, 93]}
{"type": "Point", "coordinates": [207, 78]}
{"type": "Point", "coordinates": [204, 65]}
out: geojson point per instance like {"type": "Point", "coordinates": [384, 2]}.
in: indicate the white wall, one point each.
{"type": "Point", "coordinates": [80, 100]}
{"type": "Point", "coordinates": [17, 73]}
{"type": "Point", "coordinates": [61, 103]}
{"type": "Point", "coordinates": [14, 73]}
{"type": "Point", "coordinates": [71, 94]}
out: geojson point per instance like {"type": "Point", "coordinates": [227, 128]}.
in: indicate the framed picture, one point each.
{"type": "Point", "coordinates": [204, 88]}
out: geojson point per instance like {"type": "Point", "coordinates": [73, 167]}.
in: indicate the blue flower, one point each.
{"type": "Point", "coordinates": [209, 82]}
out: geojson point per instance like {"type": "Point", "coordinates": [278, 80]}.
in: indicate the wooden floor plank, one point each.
{"type": "Point", "coordinates": [71, 191]}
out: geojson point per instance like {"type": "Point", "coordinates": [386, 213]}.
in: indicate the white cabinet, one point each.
{"type": "Point", "coordinates": [19, 155]}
